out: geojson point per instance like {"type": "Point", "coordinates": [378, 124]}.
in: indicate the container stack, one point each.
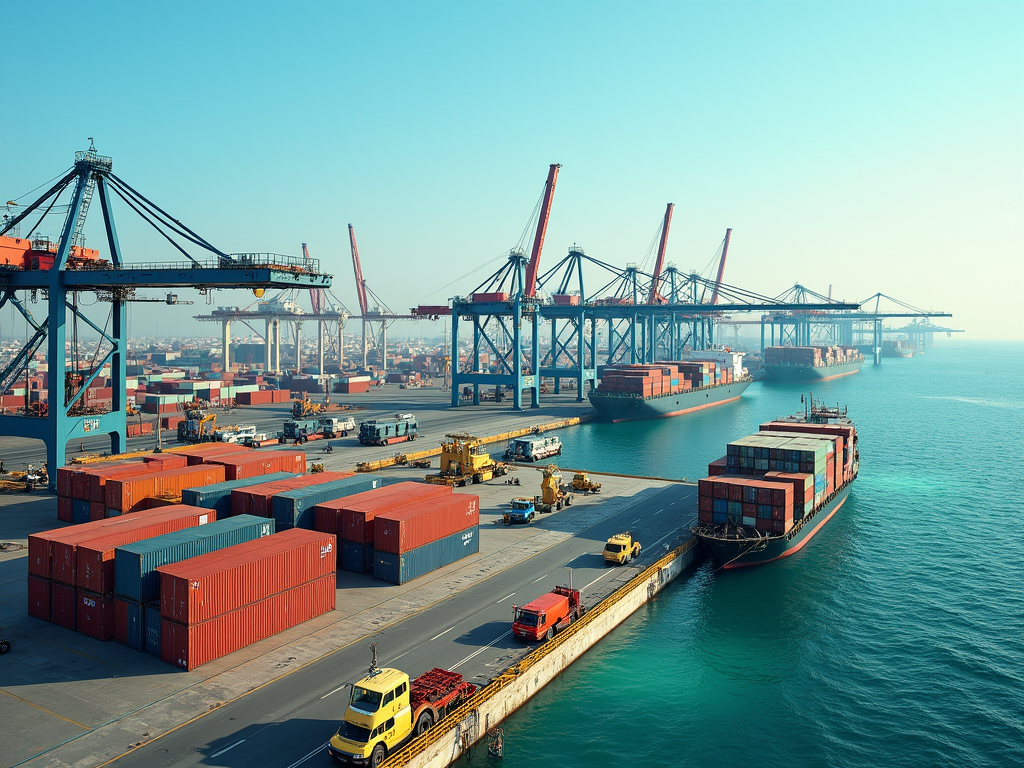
{"type": "Point", "coordinates": [415, 540]}
{"type": "Point", "coordinates": [294, 508]}
{"type": "Point", "coordinates": [218, 496]}
{"type": "Point", "coordinates": [815, 357]}
{"type": "Point", "coordinates": [126, 494]}
{"type": "Point", "coordinates": [668, 378]}
{"type": "Point", "coordinates": [351, 518]}
{"type": "Point", "coordinates": [137, 583]}
{"type": "Point", "coordinates": [217, 603]}
{"type": "Point", "coordinates": [70, 570]}
{"type": "Point", "coordinates": [258, 499]}
{"type": "Point", "coordinates": [763, 504]}
{"type": "Point", "coordinates": [350, 385]}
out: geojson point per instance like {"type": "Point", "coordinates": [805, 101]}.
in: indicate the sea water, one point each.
{"type": "Point", "coordinates": [895, 638]}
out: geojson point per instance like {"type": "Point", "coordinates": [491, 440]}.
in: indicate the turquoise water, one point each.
{"type": "Point", "coordinates": [896, 638]}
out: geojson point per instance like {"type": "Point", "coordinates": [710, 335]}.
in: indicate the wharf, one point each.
{"type": "Point", "coordinates": [68, 700]}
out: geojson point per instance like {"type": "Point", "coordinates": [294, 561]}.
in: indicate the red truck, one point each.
{"type": "Point", "coordinates": [547, 615]}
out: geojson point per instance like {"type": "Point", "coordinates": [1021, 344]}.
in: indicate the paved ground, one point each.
{"type": "Point", "coordinates": [69, 700]}
{"type": "Point", "coordinates": [431, 406]}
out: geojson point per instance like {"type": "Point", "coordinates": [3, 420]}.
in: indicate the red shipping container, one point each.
{"type": "Point", "coordinates": [736, 490]}
{"type": "Point", "coordinates": [94, 570]}
{"type": "Point", "coordinates": [64, 512]}
{"type": "Point", "coordinates": [350, 518]}
{"type": "Point", "coordinates": [718, 467]}
{"type": "Point", "coordinates": [39, 598]}
{"type": "Point", "coordinates": [166, 460]}
{"type": "Point", "coordinates": [207, 586]}
{"type": "Point", "coordinates": [406, 529]}
{"type": "Point", "coordinates": [128, 494]}
{"type": "Point", "coordinates": [721, 490]}
{"type": "Point", "coordinates": [96, 478]}
{"type": "Point", "coordinates": [64, 475]}
{"type": "Point", "coordinates": [705, 504]}
{"type": "Point", "coordinates": [97, 511]}
{"type": "Point", "coordinates": [244, 467]}
{"type": "Point", "coordinates": [256, 499]}
{"type": "Point", "coordinates": [704, 517]}
{"type": "Point", "coordinates": [64, 606]}
{"type": "Point", "coordinates": [198, 454]}
{"type": "Point", "coordinates": [189, 646]}
{"type": "Point", "coordinates": [96, 615]}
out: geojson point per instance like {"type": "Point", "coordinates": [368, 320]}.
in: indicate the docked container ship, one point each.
{"type": "Point", "coordinates": [897, 348]}
{"type": "Point", "coordinates": [811, 363]}
{"type": "Point", "coordinates": [659, 390]}
{"type": "Point", "coordinates": [773, 490]}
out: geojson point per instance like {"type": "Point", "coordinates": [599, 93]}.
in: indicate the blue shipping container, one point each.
{"type": "Point", "coordinates": [400, 569]}
{"type": "Point", "coordinates": [136, 621]}
{"type": "Point", "coordinates": [79, 511]}
{"type": "Point", "coordinates": [355, 558]}
{"type": "Point", "coordinates": [720, 505]}
{"type": "Point", "coordinates": [218, 495]}
{"type": "Point", "coordinates": [152, 628]}
{"type": "Point", "coordinates": [718, 518]}
{"type": "Point", "coordinates": [135, 576]}
{"type": "Point", "coordinates": [294, 509]}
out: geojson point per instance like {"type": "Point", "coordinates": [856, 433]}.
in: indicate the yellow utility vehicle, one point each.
{"type": "Point", "coordinates": [386, 709]}
{"type": "Point", "coordinates": [621, 548]}
{"type": "Point", "coordinates": [553, 495]}
{"type": "Point", "coordinates": [581, 483]}
{"type": "Point", "coordinates": [464, 460]}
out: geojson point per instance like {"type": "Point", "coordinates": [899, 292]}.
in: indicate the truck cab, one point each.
{"type": "Point", "coordinates": [521, 512]}
{"type": "Point", "coordinates": [236, 435]}
{"type": "Point", "coordinates": [378, 719]}
{"type": "Point", "coordinates": [543, 618]}
{"type": "Point", "coordinates": [621, 548]}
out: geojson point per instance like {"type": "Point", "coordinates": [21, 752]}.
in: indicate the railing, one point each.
{"type": "Point", "coordinates": [232, 261]}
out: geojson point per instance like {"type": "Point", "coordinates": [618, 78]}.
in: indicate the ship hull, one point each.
{"type": "Point", "coordinates": [617, 408]}
{"type": "Point", "coordinates": [741, 552]}
{"type": "Point", "coordinates": [794, 373]}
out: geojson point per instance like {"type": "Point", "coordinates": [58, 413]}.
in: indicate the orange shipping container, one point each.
{"type": "Point", "coordinates": [256, 499]}
{"type": "Point", "coordinates": [128, 494]}
{"type": "Point", "coordinates": [200, 453]}
{"type": "Point", "coordinates": [248, 466]}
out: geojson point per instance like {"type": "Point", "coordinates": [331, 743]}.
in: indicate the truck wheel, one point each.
{"type": "Point", "coordinates": [425, 721]}
{"type": "Point", "coordinates": [568, 502]}
{"type": "Point", "coordinates": [478, 478]}
{"type": "Point", "coordinates": [385, 442]}
{"type": "Point", "coordinates": [377, 756]}
{"type": "Point", "coordinates": [550, 633]}
{"type": "Point", "coordinates": [344, 434]}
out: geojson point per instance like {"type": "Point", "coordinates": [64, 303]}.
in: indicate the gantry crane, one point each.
{"type": "Point", "coordinates": [113, 281]}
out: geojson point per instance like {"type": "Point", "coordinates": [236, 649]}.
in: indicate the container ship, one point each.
{"type": "Point", "coordinates": [773, 490]}
{"type": "Point", "coordinates": [897, 348]}
{"type": "Point", "coordinates": [810, 363]}
{"type": "Point", "coordinates": [659, 390]}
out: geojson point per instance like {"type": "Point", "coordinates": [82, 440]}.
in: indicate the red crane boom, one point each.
{"type": "Point", "coordinates": [360, 283]}
{"type": "Point", "coordinates": [533, 266]}
{"type": "Point", "coordinates": [316, 295]}
{"type": "Point", "coordinates": [721, 266]}
{"type": "Point", "coordinates": [654, 297]}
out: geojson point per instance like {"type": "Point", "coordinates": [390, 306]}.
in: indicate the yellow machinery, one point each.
{"type": "Point", "coordinates": [581, 483]}
{"type": "Point", "coordinates": [621, 548]}
{"type": "Point", "coordinates": [198, 426]}
{"type": "Point", "coordinates": [553, 495]}
{"type": "Point", "coordinates": [306, 407]}
{"type": "Point", "coordinates": [463, 461]}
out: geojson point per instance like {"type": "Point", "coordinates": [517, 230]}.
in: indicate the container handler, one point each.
{"type": "Point", "coordinates": [548, 615]}
{"type": "Point", "coordinates": [388, 431]}
{"type": "Point", "coordinates": [386, 710]}
{"type": "Point", "coordinates": [198, 426]}
{"type": "Point", "coordinates": [553, 495]}
{"type": "Point", "coordinates": [621, 548]}
{"type": "Point", "coordinates": [463, 462]}
{"type": "Point", "coordinates": [581, 483]}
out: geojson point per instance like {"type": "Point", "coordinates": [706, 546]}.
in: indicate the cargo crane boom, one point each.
{"type": "Point", "coordinates": [654, 296]}
{"type": "Point", "coordinates": [721, 266]}
{"type": "Point", "coordinates": [360, 283]}
{"type": "Point", "coordinates": [530, 289]}
{"type": "Point", "coordinates": [316, 295]}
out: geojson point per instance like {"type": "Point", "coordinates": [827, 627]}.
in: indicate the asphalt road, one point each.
{"type": "Point", "coordinates": [288, 723]}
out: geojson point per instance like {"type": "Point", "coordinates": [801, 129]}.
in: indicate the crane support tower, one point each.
{"type": "Point", "coordinates": [113, 281]}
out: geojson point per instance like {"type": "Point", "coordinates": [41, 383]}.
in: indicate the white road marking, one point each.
{"type": "Point", "coordinates": [315, 751]}
{"type": "Point", "coordinates": [400, 656]}
{"type": "Point", "coordinates": [662, 539]}
{"type": "Point", "coordinates": [607, 573]}
{"type": "Point", "coordinates": [474, 654]}
{"type": "Point", "coordinates": [440, 633]}
{"type": "Point", "coordinates": [536, 580]}
{"type": "Point", "coordinates": [231, 746]}
{"type": "Point", "coordinates": [506, 597]}
{"type": "Point", "coordinates": [334, 691]}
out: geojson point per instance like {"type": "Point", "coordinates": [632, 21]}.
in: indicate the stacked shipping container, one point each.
{"type": "Point", "coordinates": [664, 378]}
{"type": "Point", "coordinates": [430, 534]}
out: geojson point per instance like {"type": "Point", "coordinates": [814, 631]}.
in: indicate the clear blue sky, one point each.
{"type": "Point", "coordinates": [871, 146]}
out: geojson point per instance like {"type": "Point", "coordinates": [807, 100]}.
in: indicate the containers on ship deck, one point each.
{"type": "Point", "coordinates": [763, 504]}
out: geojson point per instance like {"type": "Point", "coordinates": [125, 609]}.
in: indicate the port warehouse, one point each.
{"type": "Point", "coordinates": [113, 573]}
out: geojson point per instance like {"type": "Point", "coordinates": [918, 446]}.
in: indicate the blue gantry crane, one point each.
{"type": "Point", "coordinates": [65, 417]}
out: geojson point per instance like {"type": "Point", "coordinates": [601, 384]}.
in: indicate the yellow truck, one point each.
{"type": "Point", "coordinates": [464, 461]}
{"type": "Point", "coordinates": [581, 483]}
{"type": "Point", "coordinates": [621, 548]}
{"type": "Point", "coordinates": [386, 710]}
